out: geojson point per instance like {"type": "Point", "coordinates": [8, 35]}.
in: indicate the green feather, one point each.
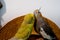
{"type": "Point", "coordinates": [26, 27]}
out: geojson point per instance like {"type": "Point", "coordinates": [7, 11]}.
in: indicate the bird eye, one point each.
{"type": "Point", "coordinates": [31, 20]}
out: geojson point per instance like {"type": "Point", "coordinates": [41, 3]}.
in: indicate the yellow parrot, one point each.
{"type": "Point", "coordinates": [25, 29]}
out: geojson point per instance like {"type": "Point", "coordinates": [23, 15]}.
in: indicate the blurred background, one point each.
{"type": "Point", "coordinates": [15, 8]}
{"type": "Point", "coordinates": [2, 10]}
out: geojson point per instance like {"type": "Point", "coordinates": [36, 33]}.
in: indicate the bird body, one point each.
{"type": "Point", "coordinates": [26, 28]}
{"type": "Point", "coordinates": [42, 27]}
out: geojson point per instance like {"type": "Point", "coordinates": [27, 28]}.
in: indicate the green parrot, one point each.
{"type": "Point", "coordinates": [25, 29]}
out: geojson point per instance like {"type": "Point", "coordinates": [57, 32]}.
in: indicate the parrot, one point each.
{"type": "Point", "coordinates": [25, 29]}
{"type": "Point", "coordinates": [42, 27]}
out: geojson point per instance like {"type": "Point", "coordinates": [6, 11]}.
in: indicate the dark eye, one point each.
{"type": "Point", "coordinates": [38, 12]}
{"type": "Point", "coordinates": [31, 20]}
